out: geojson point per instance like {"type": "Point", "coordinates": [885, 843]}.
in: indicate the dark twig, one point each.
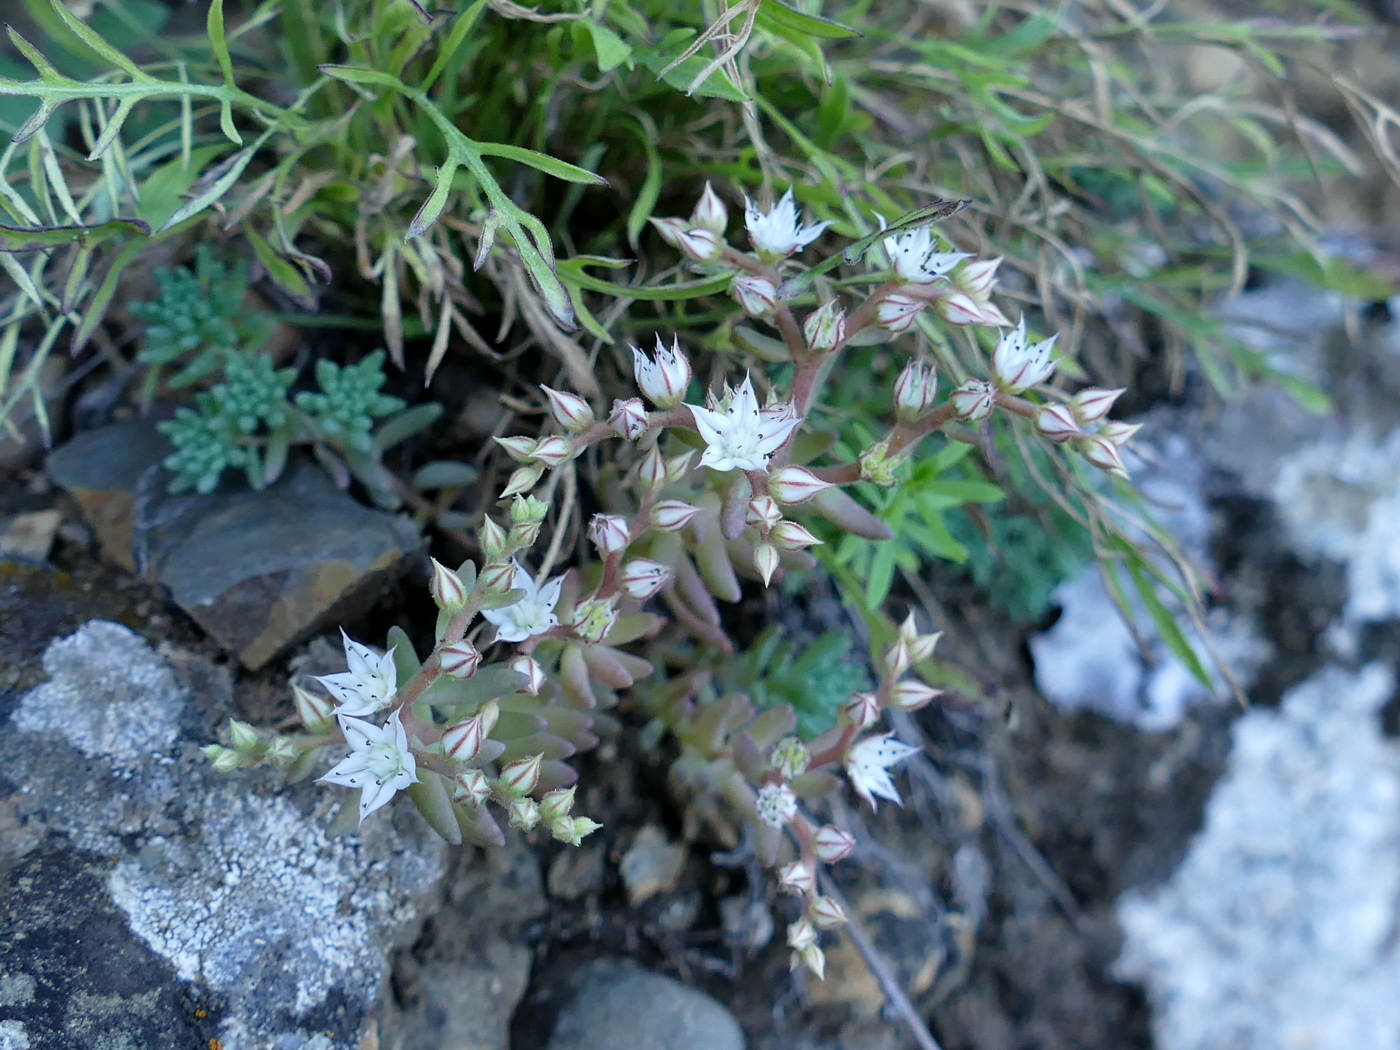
{"type": "Point", "coordinates": [889, 983]}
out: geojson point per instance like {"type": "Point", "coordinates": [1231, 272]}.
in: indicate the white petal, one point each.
{"type": "Point", "coordinates": [710, 424]}
{"type": "Point", "coordinates": [745, 403]}
{"type": "Point", "coordinates": [772, 436]}
{"type": "Point", "coordinates": [349, 772]}
{"type": "Point", "coordinates": [395, 725]}
{"type": "Point", "coordinates": [359, 734]}
{"type": "Point", "coordinates": [523, 581]}
{"type": "Point", "coordinates": [548, 595]}
{"type": "Point", "coordinates": [360, 659]}
{"type": "Point", "coordinates": [714, 458]}
{"type": "Point", "coordinates": [375, 795]}
{"type": "Point", "coordinates": [388, 670]}
{"type": "Point", "coordinates": [805, 235]}
{"type": "Point", "coordinates": [510, 631]}
{"type": "Point", "coordinates": [345, 687]}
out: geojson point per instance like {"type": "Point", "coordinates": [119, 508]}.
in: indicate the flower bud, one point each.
{"type": "Point", "coordinates": [914, 391]}
{"type": "Point", "coordinates": [757, 296]}
{"type": "Point", "coordinates": [862, 710]}
{"type": "Point", "coordinates": [826, 913]}
{"type": "Point", "coordinates": [524, 814]}
{"type": "Point", "coordinates": [797, 878]}
{"type": "Point", "coordinates": [498, 578]}
{"type": "Point", "coordinates": [700, 245]}
{"type": "Point", "coordinates": [459, 660]}
{"type": "Point", "coordinates": [553, 450]}
{"type": "Point", "coordinates": [790, 536]}
{"type": "Point", "coordinates": [831, 844]}
{"type": "Point", "coordinates": [1019, 363]}
{"type": "Point", "coordinates": [710, 212]}
{"type": "Point", "coordinates": [533, 672]}
{"type": "Point", "coordinates": [897, 657]}
{"type": "Point", "coordinates": [959, 308]}
{"type": "Point", "coordinates": [763, 512]}
{"type": "Point", "coordinates": [811, 957]}
{"type": "Point", "coordinates": [677, 466]}
{"type": "Point", "coordinates": [493, 540]}
{"type": "Point", "coordinates": [920, 646]}
{"type": "Point", "coordinates": [670, 230]}
{"type": "Point", "coordinates": [795, 485]}
{"type": "Point", "coordinates": [978, 279]}
{"type": "Point", "coordinates": [801, 934]}
{"type": "Point", "coordinates": [652, 470]}
{"type": "Point", "coordinates": [527, 510]}
{"type": "Point", "coordinates": [594, 619]}
{"type": "Point", "coordinates": [281, 751]}
{"type": "Point", "coordinates": [1056, 422]}
{"type": "Point", "coordinates": [471, 786]}
{"type": "Point", "coordinates": [825, 330]}
{"type": "Point", "coordinates": [462, 742]}
{"type": "Point", "coordinates": [641, 577]}
{"type": "Point", "coordinates": [663, 378]}
{"type": "Point", "coordinates": [897, 312]}
{"type": "Point", "coordinates": [572, 832]}
{"type": "Point", "coordinates": [973, 400]}
{"type": "Point", "coordinates": [569, 410]}
{"type": "Point", "coordinates": [221, 758]}
{"type": "Point", "coordinates": [519, 449]}
{"type": "Point", "coordinates": [520, 777]}
{"type": "Point", "coordinates": [1092, 405]}
{"type": "Point", "coordinates": [1119, 433]}
{"type": "Point", "coordinates": [523, 480]}
{"type": "Point", "coordinates": [523, 535]}
{"type": "Point", "coordinates": [315, 712]}
{"type": "Point", "coordinates": [1102, 453]}
{"type": "Point", "coordinates": [776, 804]}
{"type": "Point", "coordinates": [877, 465]}
{"type": "Point", "coordinates": [608, 532]}
{"type": "Point", "coordinates": [765, 560]}
{"type": "Point", "coordinates": [789, 757]}
{"type": "Point", "coordinates": [628, 418]}
{"type": "Point", "coordinates": [242, 736]}
{"type": "Point", "coordinates": [446, 588]}
{"type": "Point", "coordinates": [910, 694]}
{"type": "Point", "coordinates": [556, 804]}
{"type": "Point", "coordinates": [671, 515]}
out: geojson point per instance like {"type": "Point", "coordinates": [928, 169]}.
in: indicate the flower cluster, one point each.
{"type": "Point", "coordinates": [698, 496]}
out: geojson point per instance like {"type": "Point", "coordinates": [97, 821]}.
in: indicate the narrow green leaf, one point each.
{"type": "Point", "coordinates": [648, 195]}
{"type": "Point", "coordinates": [38, 238]}
{"type": "Point", "coordinates": [571, 270]}
{"type": "Point", "coordinates": [541, 162]}
{"type": "Point", "coordinates": [215, 190]}
{"type": "Point", "coordinates": [283, 273]}
{"type": "Point", "coordinates": [458, 33]}
{"type": "Point", "coordinates": [813, 25]}
{"type": "Point", "coordinates": [97, 308]}
{"type": "Point", "coordinates": [86, 34]}
{"type": "Point", "coordinates": [406, 424]}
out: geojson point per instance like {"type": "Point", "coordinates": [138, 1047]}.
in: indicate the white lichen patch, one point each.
{"type": "Point", "coordinates": [108, 694]}
{"type": "Point", "coordinates": [1279, 929]}
{"type": "Point", "coordinates": [228, 877]}
{"type": "Point", "coordinates": [261, 886]}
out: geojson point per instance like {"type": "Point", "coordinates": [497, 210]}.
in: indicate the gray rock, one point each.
{"type": "Point", "coordinates": [259, 571]}
{"type": "Point", "coordinates": [616, 1005]}
{"type": "Point", "coordinates": [468, 1005]}
{"type": "Point", "coordinates": [29, 537]}
{"type": "Point", "coordinates": [1278, 930]}
{"type": "Point", "coordinates": [152, 902]}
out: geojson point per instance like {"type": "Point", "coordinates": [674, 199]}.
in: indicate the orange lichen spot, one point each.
{"type": "Point", "coordinates": [201, 1013]}
{"type": "Point", "coordinates": [214, 1044]}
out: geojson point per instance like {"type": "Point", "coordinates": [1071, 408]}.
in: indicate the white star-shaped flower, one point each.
{"type": "Point", "coordinates": [913, 257]}
{"type": "Point", "coordinates": [379, 762]}
{"type": "Point", "coordinates": [742, 436]}
{"type": "Point", "coordinates": [368, 685]}
{"type": "Point", "coordinates": [1020, 365]}
{"type": "Point", "coordinates": [532, 614]}
{"type": "Point", "coordinates": [780, 231]}
{"type": "Point", "coordinates": [869, 763]}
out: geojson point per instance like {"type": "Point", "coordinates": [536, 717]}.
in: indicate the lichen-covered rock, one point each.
{"type": "Point", "coordinates": [1278, 930]}
{"type": "Point", "coordinates": [151, 902]}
